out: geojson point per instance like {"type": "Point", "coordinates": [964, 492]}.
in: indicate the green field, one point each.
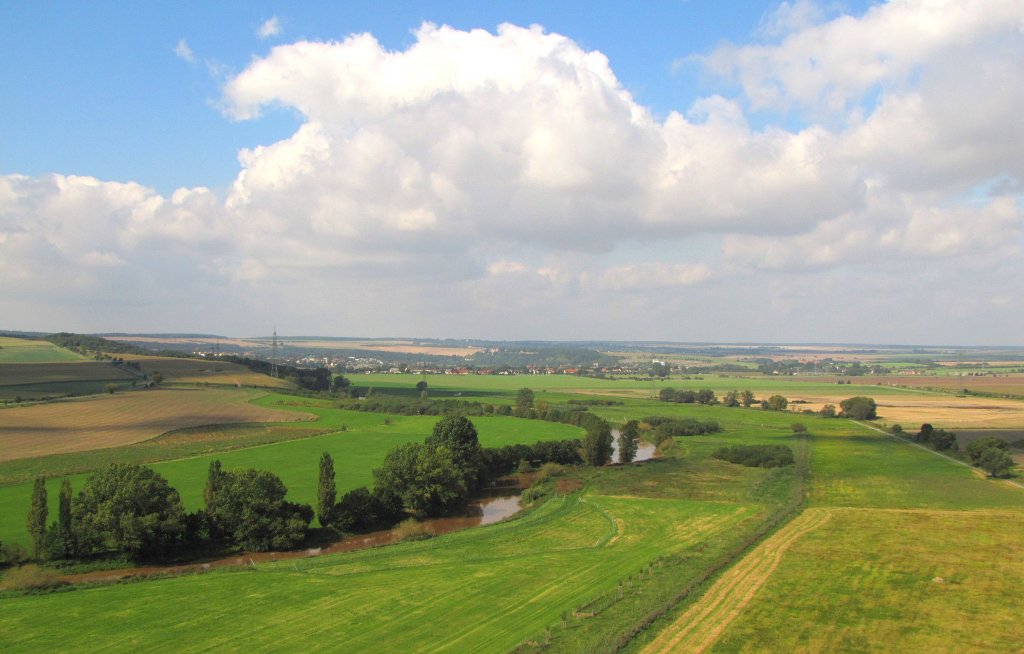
{"type": "Point", "coordinates": [356, 452]}
{"type": "Point", "coordinates": [905, 580]}
{"type": "Point", "coordinates": [21, 350]}
{"type": "Point", "coordinates": [917, 554]}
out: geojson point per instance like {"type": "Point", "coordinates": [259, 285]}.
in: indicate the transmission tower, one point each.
{"type": "Point", "coordinates": [273, 354]}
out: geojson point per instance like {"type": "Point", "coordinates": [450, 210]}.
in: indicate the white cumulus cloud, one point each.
{"type": "Point", "coordinates": [270, 27]}
{"type": "Point", "coordinates": [513, 170]}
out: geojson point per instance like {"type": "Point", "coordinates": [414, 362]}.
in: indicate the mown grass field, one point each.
{"type": "Point", "coordinates": [914, 553]}
{"type": "Point", "coordinates": [483, 590]}
{"type": "Point", "coordinates": [899, 518]}
{"type": "Point", "coordinates": [893, 580]}
{"type": "Point", "coordinates": [22, 350]}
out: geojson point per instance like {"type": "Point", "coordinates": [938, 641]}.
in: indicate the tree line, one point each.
{"type": "Point", "coordinates": [990, 453]}
{"type": "Point", "coordinates": [131, 509]}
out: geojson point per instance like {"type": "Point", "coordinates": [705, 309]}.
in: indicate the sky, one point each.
{"type": "Point", "coordinates": [846, 172]}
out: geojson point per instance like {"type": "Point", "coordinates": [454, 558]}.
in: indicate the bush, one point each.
{"type": "Point", "coordinates": [547, 471]}
{"type": "Point", "coordinates": [13, 553]}
{"type": "Point", "coordinates": [756, 456]}
{"type": "Point", "coordinates": [859, 408]}
{"type": "Point", "coordinates": [798, 428]}
{"type": "Point", "coordinates": [31, 577]}
{"type": "Point", "coordinates": [411, 529]}
{"type": "Point", "coordinates": [775, 403]}
{"type": "Point", "coordinates": [681, 426]}
{"type": "Point", "coordinates": [975, 449]}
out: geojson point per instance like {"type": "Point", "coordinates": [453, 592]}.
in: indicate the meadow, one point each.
{"type": "Point", "coordinates": [22, 350]}
{"type": "Point", "coordinates": [578, 566]}
{"type": "Point", "coordinates": [904, 551]}
{"type": "Point", "coordinates": [897, 549]}
{"type": "Point", "coordinates": [909, 407]}
{"type": "Point", "coordinates": [292, 454]}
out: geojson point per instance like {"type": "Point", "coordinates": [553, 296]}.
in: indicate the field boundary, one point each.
{"type": "Point", "coordinates": [700, 626]}
{"type": "Point", "coordinates": [777, 520]}
{"type": "Point", "coordinates": [930, 451]}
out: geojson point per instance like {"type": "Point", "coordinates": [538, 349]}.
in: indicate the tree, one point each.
{"type": "Point", "coordinates": [995, 462]}
{"type": "Point", "coordinates": [214, 479]}
{"type": "Point", "coordinates": [731, 399]}
{"type": "Point", "coordinates": [459, 435]}
{"type": "Point", "coordinates": [975, 449]}
{"type": "Point", "coordinates": [524, 402]}
{"type": "Point", "coordinates": [326, 491]}
{"type": "Point", "coordinates": [249, 507]}
{"type": "Point", "coordinates": [62, 536]}
{"type": "Point", "coordinates": [421, 385]}
{"type": "Point", "coordinates": [747, 398]}
{"type": "Point", "coordinates": [439, 485]}
{"type": "Point", "coordinates": [424, 476]}
{"type": "Point", "coordinates": [941, 439]}
{"type": "Point", "coordinates": [706, 396]}
{"type": "Point", "coordinates": [667, 394]}
{"type": "Point", "coordinates": [629, 441]}
{"type": "Point", "coordinates": [925, 433]}
{"type": "Point", "coordinates": [859, 408]}
{"type": "Point", "coordinates": [775, 403]}
{"type": "Point", "coordinates": [37, 512]}
{"type": "Point", "coordinates": [339, 383]}
{"type": "Point", "coordinates": [597, 444]}
{"type": "Point", "coordinates": [128, 508]}
{"type": "Point", "coordinates": [828, 411]}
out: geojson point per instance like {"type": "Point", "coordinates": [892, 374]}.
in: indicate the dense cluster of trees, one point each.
{"type": "Point", "coordinates": [756, 456]}
{"type": "Point", "coordinates": [938, 439]}
{"type": "Point", "coordinates": [685, 396]}
{"type": "Point", "coordinates": [663, 427]}
{"type": "Point", "coordinates": [991, 454]}
{"type": "Point", "coordinates": [859, 408]}
{"type": "Point", "coordinates": [132, 509]}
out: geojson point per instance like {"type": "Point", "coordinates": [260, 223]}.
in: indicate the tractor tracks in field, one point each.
{"type": "Point", "coordinates": [700, 626]}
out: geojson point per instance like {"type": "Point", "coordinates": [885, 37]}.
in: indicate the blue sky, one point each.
{"type": "Point", "coordinates": [744, 170]}
{"type": "Point", "coordinates": [99, 90]}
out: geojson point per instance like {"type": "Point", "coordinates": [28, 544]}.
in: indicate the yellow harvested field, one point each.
{"type": "Point", "coordinates": [939, 409]}
{"type": "Point", "coordinates": [124, 418]}
{"type": "Point", "coordinates": [1002, 384]}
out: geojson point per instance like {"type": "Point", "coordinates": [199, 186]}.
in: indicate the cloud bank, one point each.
{"type": "Point", "coordinates": [506, 184]}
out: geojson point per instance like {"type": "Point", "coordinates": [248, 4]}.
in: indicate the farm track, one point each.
{"type": "Point", "coordinates": [701, 625]}
{"type": "Point", "coordinates": [975, 471]}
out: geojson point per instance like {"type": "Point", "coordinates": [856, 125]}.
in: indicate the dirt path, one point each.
{"type": "Point", "coordinates": [977, 473]}
{"type": "Point", "coordinates": [701, 625]}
